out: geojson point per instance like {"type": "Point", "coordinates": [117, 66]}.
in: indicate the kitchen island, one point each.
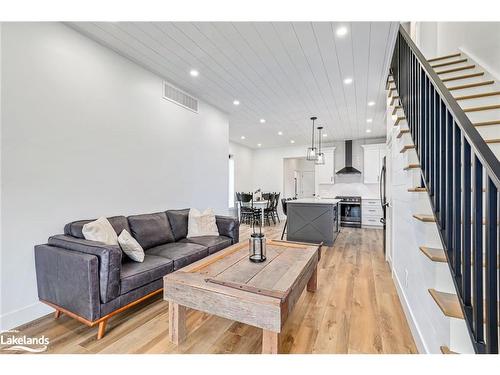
{"type": "Point", "coordinates": [313, 220]}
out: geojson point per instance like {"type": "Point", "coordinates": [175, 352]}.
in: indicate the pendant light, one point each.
{"type": "Point", "coordinates": [312, 151]}
{"type": "Point", "coordinates": [321, 156]}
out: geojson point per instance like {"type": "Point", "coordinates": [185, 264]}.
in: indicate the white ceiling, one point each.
{"type": "Point", "coordinates": [283, 72]}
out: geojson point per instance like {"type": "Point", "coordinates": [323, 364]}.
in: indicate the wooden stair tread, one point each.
{"type": "Point", "coordinates": [406, 148]}
{"type": "Point", "coordinates": [482, 108]}
{"type": "Point", "coordinates": [434, 254]}
{"type": "Point", "coordinates": [459, 61]}
{"type": "Point", "coordinates": [470, 85]}
{"type": "Point", "coordinates": [491, 141]}
{"type": "Point", "coordinates": [487, 123]}
{"type": "Point", "coordinates": [467, 67]}
{"type": "Point", "coordinates": [395, 109]}
{"type": "Point", "coordinates": [417, 189]}
{"type": "Point", "coordinates": [446, 350]}
{"type": "Point", "coordinates": [465, 76]}
{"type": "Point", "coordinates": [391, 90]}
{"type": "Point", "coordinates": [399, 119]}
{"type": "Point", "coordinates": [393, 99]}
{"type": "Point", "coordinates": [448, 303]}
{"type": "Point", "coordinates": [425, 218]}
{"type": "Point", "coordinates": [480, 95]}
{"type": "Point", "coordinates": [403, 131]}
{"type": "Point", "coordinates": [412, 166]}
{"type": "Point", "coordinates": [444, 57]}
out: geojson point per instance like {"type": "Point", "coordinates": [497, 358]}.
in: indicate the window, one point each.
{"type": "Point", "coordinates": [231, 181]}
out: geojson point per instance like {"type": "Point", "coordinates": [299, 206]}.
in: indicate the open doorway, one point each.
{"type": "Point", "coordinates": [298, 178]}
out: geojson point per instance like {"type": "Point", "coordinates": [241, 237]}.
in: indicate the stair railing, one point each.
{"type": "Point", "coordinates": [462, 177]}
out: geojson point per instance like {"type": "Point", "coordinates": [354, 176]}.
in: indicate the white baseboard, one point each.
{"type": "Point", "coordinates": [414, 328]}
{"type": "Point", "coordinates": [24, 315]}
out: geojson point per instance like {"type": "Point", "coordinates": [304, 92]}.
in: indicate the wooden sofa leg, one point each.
{"type": "Point", "coordinates": [101, 331]}
{"type": "Point", "coordinates": [57, 314]}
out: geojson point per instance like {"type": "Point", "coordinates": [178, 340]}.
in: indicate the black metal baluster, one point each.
{"type": "Point", "coordinates": [442, 172]}
{"type": "Point", "coordinates": [457, 220]}
{"type": "Point", "coordinates": [491, 280]}
{"type": "Point", "coordinates": [449, 183]}
{"type": "Point", "coordinates": [466, 227]}
{"type": "Point", "coordinates": [477, 250]}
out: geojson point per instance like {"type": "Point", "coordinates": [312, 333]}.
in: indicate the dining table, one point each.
{"type": "Point", "coordinates": [259, 204]}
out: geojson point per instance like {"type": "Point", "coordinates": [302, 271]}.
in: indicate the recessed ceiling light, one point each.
{"type": "Point", "coordinates": [243, 137]}
{"type": "Point", "coordinates": [371, 104]}
{"type": "Point", "coordinates": [262, 121]}
{"type": "Point", "coordinates": [236, 102]}
{"type": "Point", "coordinates": [368, 130]}
{"type": "Point", "coordinates": [194, 73]}
{"type": "Point", "coordinates": [324, 134]}
{"type": "Point", "coordinates": [259, 144]}
{"type": "Point", "coordinates": [341, 31]}
{"type": "Point", "coordinates": [280, 133]}
{"type": "Point", "coordinates": [369, 120]}
{"type": "Point", "coordinates": [292, 141]}
{"type": "Point", "coordinates": [348, 81]}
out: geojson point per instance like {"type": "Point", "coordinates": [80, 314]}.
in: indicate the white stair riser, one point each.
{"type": "Point", "coordinates": [496, 149]}
{"type": "Point", "coordinates": [473, 90]}
{"type": "Point", "coordinates": [480, 116]}
{"type": "Point", "coordinates": [489, 132]}
{"type": "Point", "coordinates": [476, 102]}
{"type": "Point", "coordinates": [444, 282]}
{"type": "Point", "coordinates": [464, 81]}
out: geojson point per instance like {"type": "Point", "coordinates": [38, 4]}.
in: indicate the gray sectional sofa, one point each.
{"type": "Point", "coordinates": [91, 281]}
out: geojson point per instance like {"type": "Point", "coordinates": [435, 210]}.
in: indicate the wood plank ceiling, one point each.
{"type": "Point", "coordinates": [282, 72]}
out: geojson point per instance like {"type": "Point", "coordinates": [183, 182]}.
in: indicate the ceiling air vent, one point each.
{"type": "Point", "coordinates": [179, 97]}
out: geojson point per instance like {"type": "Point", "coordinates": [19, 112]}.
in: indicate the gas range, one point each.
{"type": "Point", "coordinates": [350, 211]}
{"type": "Point", "coordinates": [349, 199]}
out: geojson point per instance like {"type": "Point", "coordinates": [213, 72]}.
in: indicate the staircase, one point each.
{"type": "Point", "coordinates": [445, 120]}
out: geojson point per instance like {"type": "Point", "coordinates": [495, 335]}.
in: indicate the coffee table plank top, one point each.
{"type": "Point", "coordinates": [260, 294]}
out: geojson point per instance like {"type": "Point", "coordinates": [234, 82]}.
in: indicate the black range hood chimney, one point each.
{"type": "Point", "coordinates": [348, 169]}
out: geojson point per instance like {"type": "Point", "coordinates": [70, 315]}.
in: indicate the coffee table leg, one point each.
{"type": "Point", "coordinates": [177, 322]}
{"type": "Point", "coordinates": [270, 342]}
{"type": "Point", "coordinates": [312, 284]}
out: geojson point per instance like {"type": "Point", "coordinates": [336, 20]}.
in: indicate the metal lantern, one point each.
{"type": "Point", "coordinates": [312, 152]}
{"type": "Point", "coordinates": [257, 247]}
{"type": "Point", "coordinates": [321, 156]}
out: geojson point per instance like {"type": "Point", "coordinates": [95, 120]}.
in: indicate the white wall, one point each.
{"type": "Point", "coordinates": [86, 132]}
{"type": "Point", "coordinates": [243, 167]}
{"type": "Point", "coordinates": [479, 40]}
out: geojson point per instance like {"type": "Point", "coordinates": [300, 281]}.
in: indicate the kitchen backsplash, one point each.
{"type": "Point", "coordinates": [355, 189]}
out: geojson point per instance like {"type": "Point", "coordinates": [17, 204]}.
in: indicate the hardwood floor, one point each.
{"type": "Point", "coordinates": [355, 310]}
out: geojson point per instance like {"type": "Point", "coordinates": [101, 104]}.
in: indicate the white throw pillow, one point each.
{"type": "Point", "coordinates": [130, 246]}
{"type": "Point", "coordinates": [202, 224]}
{"type": "Point", "coordinates": [100, 230]}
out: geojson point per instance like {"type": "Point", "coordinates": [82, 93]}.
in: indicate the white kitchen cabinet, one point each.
{"type": "Point", "coordinates": [372, 155]}
{"type": "Point", "coordinates": [326, 173]}
{"type": "Point", "coordinates": [371, 213]}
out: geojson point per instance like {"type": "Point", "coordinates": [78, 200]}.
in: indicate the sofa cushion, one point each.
{"type": "Point", "coordinates": [179, 222]}
{"type": "Point", "coordinates": [151, 229]}
{"type": "Point", "coordinates": [135, 275]}
{"type": "Point", "coordinates": [214, 243]}
{"type": "Point", "coordinates": [75, 228]}
{"type": "Point", "coordinates": [182, 253]}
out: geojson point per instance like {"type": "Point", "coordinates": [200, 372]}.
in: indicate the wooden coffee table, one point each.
{"type": "Point", "coordinates": [227, 284]}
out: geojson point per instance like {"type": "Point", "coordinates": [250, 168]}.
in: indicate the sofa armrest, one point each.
{"type": "Point", "coordinates": [68, 279]}
{"type": "Point", "coordinates": [110, 262]}
{"type": "Point", "coordinates": [228, 226]}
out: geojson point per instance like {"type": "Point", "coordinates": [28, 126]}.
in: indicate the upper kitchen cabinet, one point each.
{"type": "Point", "coordinates": [373, 155]}
{"type": "Point", "coordinates": [326, 173]}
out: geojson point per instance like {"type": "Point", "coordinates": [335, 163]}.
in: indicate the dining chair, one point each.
{"type": "Point", "coordinates": [275, 206]}
{"type": "Point", "coordinates": [284, 207]}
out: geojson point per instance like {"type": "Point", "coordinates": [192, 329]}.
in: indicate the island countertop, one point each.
{"type": "Point", "coordinates": [314, 201]}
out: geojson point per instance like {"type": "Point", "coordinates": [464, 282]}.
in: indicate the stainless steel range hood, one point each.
{"type": "Point", "coordinates": [348, 169]}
